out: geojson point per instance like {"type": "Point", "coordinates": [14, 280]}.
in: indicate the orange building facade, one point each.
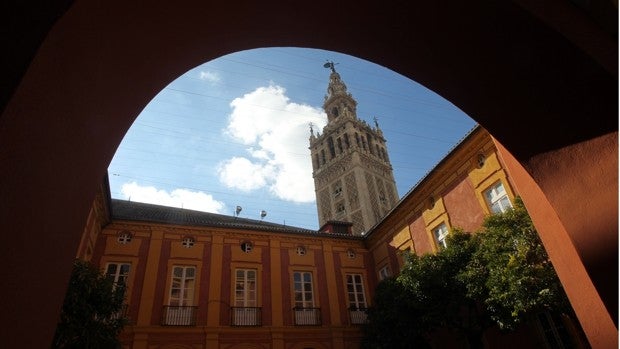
{"type": "Point", "coordinates": [458, 193]}
{"type": "Point", "coordinates": [200, 280]}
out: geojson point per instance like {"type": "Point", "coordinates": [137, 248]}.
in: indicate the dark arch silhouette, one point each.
{"type": "Point", "coordinates": [541, 78]}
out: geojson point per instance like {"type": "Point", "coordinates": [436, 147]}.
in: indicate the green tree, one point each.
{"type": "Point", "coordinates": [441, 296]}
{"type": "Point", "coordinates": [499, 276]}
{"type": "Point", "coordinates": [92, 312]}
{"type": "Point", "coordinates": [426, 297]}
{"type": "Point", "coordinates": [511, 272]}
{"type": "Point", "coordinates": [394, 319]}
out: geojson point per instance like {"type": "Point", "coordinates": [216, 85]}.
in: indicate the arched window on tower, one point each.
{"type": "Point", "coordinates": [346, 141]}
{"type": "Point", "coordinates": [369, 140]}
{"type": "Point", "coordinates": [316, 161]}
{"type": "Point", "coordinates": [357, 139]}
{"type": "Point", "coordinates": [332, 150]}
{"type": "Point", "coordinates": [339, 142]}
{"type": "Point", "coordinates": [323, 161]}
{"type": "Point", "coordinates": [335, 111]}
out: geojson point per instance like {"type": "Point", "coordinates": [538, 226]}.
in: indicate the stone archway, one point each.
{"type": "Point", "coordinates": [548, 95]}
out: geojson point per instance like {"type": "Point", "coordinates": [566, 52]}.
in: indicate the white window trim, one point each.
{"type": "Point", "coordinates": [188, 242]}
{"type": "Point", "coordinates": [302, 291]}
{"type": "Point", "coordinates": [384, 273]}
{"type": "Point", "coordinates": [358, 293]}
{"type": "Point", "coordinates": [124, 237]}
{"type": "Point", "coordinates": [441, 233]}
{"type": "Point", "coordinates": [249, 286]}
{"type": "Point", "coordinates": [117, 276]}
{"type": "Point", "coordinates": [496, 196]}
{"type": "Point", "coordinates": [247, 246]}
{"type": "Point", "coordinates": [184, 299]}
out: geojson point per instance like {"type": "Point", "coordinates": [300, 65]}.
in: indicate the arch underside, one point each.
{"type": "Point", "coordinates": [81, 72]}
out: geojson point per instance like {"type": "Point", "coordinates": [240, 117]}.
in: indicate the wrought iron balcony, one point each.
{"type": "Point", "coordinates": [179, 315]}
{"type": "Point", "coordinates": [245, 316]}
{"type": "Point", "coordinates": [122, 313]}
{"type": "Point", "coordinates": [307, 316]}
{"type": "Point", "coordinates": [358, 316]}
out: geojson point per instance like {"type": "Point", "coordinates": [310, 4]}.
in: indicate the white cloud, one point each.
{"type": "Point", "coordinates": [192, 200]}
{"type": "Point", "coordinates": [211, 77]}
{"type": "Point", "coordinates": [277, 131]}
{"type": "Point", "coordinates": [241, 173]}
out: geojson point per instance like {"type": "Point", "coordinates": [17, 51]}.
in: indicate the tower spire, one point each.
{"type": "Point", "coordinates": [352, 173]}
{"type": "Point", "coordinates": [338, 104]}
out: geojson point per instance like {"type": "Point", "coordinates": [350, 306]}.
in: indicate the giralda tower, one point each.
{"type": "Point", "coordinates": [353, 177]}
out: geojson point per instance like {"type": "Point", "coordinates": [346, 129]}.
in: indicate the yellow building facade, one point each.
{"type": "Point", "coordinates": [201, 280]}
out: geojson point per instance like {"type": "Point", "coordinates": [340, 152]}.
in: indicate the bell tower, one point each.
{"type": "Point", "coordinates": [353, 178]}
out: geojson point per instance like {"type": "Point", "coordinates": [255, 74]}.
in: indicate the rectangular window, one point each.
{"type": "Point", "coordinates": [305, 312]}
{"type": "Point", "coordinates": [554, 332]}
{"type": "Point", "coordinates": [441, 233]}
{"type": "Point", "coordinates": [245, 288]}
{"type": "Point", "coordinates": [302, 283]}
{"type": "Point", "coordinates": [118, 273]}
{"type": "Point", "coordinates": [337, 191]}
{"type": "Point", "coordinates": [356, 298]}
{"type": "Point", "coordinates": [340, 209]}
{"type": "Point", "coordinates": [497, 199]}
{"type": "Point", "coordinates": [180, 310]}
{"type": "Point", "coordinates": [384, 273]}
{"type": "Point", "coordinates": [245, 310]}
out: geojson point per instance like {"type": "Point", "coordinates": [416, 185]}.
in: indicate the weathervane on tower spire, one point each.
{"type": "Point", "coordinates": [330, 65]}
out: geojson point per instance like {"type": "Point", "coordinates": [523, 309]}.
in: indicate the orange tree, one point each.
{"type": "Point", "coordinates": [92, 313]}
{"type": "Point", "coordinates": [500, 276]}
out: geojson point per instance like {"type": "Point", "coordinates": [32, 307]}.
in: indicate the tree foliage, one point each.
{"type": "Point", "coordinates": [441, 296]}
{"type": "Point", "coordinates": [511, 271]}
{"type": "Point", "coordinates": [92, 312]}
{"type": "Point", "coordinates": [394, 320]}
{"type": "Point", "coordinates": [500, 275]}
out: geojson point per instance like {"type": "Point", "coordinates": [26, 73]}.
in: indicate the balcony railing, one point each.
{"type": "Point", "coordinates": [358, 316]}
{"type": "Point", "coordinates": [245, 316]}
{"type": "Point", "coordinates": [122, 313]}
{"type": "Point", "coordinates": [179, 315]}
{"type": "Point", "coordinates": [307, 316]}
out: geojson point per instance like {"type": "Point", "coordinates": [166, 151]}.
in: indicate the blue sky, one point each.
{"type": "Point", "coordinates": [234, 132]}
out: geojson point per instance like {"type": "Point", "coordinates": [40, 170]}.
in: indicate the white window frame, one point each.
{"type": "Point", "coordinates": [188, 242]}
{"type": "Point", "coordinates": [124, 237]}
{"type": "Point", "coordinates": [303, 291]}
{"type": "Point", "coordinates": [180, 306]}
{"type": "Point", "coordinates": [384, 273]}
{"type": "Point", "coordinates": [355, 291]}
{"type": "Point", "coordinates": [497, 198]}
{"type": "Point", "coordinates": [183, 279]}
{"type": "Point", "coordinates": [247, 246]}
{"type": "Point", "coordinates": [356, 298]}
{"type": "Point", "coordinates": [245, 287]}
{"type": "Point", "coordinates": [351, 254]}
{"type": "Point", "coordinates": [245, 299]}
{"type": "Point", "coordinates": [301, 250]}
{"type": "Point", "coordinates": [304, 300]}
{"type": "Point", "coordinates": [118, 276]}
{"type": "Point", "coordinates": [441, 233]}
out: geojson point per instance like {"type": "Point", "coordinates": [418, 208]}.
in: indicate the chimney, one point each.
{"type": "Point", "coordinates": [336, 227]}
